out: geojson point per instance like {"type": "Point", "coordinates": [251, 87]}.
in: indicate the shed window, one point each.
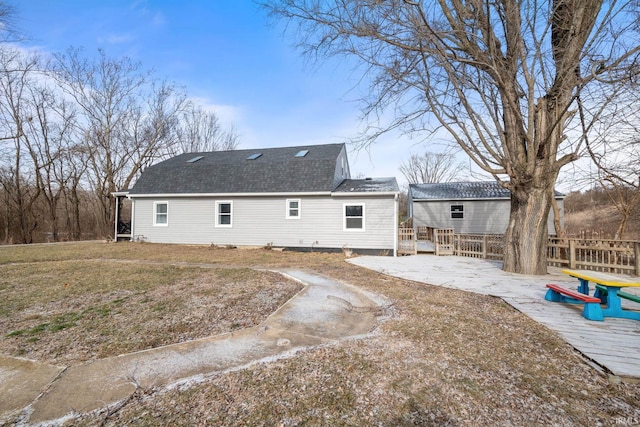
{"type": "Point", "coordinates": [354, 217]}
{"type": "Point", "coordinates": [161, 213]}
{"type": "Point", "coordinates": [457, 211]}
{"type": "Point", "coordinates": [224, 214]}
{"type": "Point", "coordinates": [293, 209]}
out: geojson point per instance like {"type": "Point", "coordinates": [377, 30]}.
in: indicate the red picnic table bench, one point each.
{"type": "Point", "coordinates": [607, 292]}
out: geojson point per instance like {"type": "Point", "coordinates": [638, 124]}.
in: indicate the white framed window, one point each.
{"type": "Point", "coordinates": [293, 209]}
{"type": "Point", "coordinates": [224, 213]}
{"type": "Point", "coordinates": [353, 216]}
{"type": "Point", "coordinates": [161, 213]}
{"type": "Point", "coordinates": [457, 211]}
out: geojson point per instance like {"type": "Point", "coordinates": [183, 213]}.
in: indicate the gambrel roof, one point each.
{"type": "Point", "coordinates": [461, 191]}
{"type": "Point", "coordinates": [302, 169]}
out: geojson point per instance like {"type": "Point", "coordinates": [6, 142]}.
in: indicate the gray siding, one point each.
{"type": "Point", "coordinates": [480, 216]}
{"type": "Point", "coordinates": [258, 221]}
{"type": "Point", "coordinates": [342, 171]}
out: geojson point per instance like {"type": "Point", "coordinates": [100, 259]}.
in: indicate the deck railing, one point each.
{"type": "Point", "coordinates": [407, 243]}
{"type": "Point", "coordinates": [613, 256]}
{"type": "Point", "coordinates": [488, 246]}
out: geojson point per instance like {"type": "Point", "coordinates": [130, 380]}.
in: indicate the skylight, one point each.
{"type": "Point", "coordinates": [302, 153]}
{"type": "Point", "coordinates": [195, 159]}
{"type": "Point", "coordinates": [254, 156]}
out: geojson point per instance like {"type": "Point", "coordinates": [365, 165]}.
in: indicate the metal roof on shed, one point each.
{"type": "Point", "coordinates": [461, 190]}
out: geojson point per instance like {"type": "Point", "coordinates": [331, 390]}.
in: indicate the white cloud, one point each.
{"type": "Point", "coordinates": [229, 115]}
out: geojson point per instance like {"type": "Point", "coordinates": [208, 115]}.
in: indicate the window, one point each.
{"type": "Point", "coordinates": [161, 213]}
{"type": "Point", "coordinates": [224, 211]}
{"type": "Point", "coordinates": [302, 153]}
{"type": "Point", "coordinates": [195, 159]}
{"type": "Point", "coordinates": [293, 209]}
{"type": "Point", "coordinates": [254, 156]}
{"type": "Point", "coordinates": [457, 211]}
{"type": "Point", "coordinates": [354, 217]}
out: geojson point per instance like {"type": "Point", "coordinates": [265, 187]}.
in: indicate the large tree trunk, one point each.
{"type": "Point", "coordinates": [526, 237]}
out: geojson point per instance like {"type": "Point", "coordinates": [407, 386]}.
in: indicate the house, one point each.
{"type": "Point", "coordinates": [293, 197]}
{"type": "Point", "coordinates": [466, 207]}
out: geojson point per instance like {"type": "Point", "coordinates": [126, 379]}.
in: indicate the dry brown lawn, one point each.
{"type": "Point", "coordinates": [444, 358]}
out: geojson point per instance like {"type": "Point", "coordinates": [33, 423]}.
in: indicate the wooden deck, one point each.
{"type": "Point", "coordinates": [613, 344]}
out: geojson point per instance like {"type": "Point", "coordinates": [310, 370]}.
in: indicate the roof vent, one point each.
{"type": "Point", "coordinates": [195, 159]}
{"type": "Point", "coordinates": [368, 179]}
{"type": "Point", "coordinates": [302, 153]}
{"type": "Point", "coordinates": [254, 156]}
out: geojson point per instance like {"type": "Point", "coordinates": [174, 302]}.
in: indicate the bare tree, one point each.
{"type": "Point", "coordinates": [200, 130]}
{"type": "Point", "coordinates": [431, 168]}
{"type": "Point", "coordinates": [16, 169]}
{"type": "Point", "coordinates": [8, 28]}
{"type": "Point", "coordinates": [625, 198]}
{"type": "Point", "coordinates": [614, 149]}
{"type": "Point", "coordinates": [48, 138]}
{"type": "Point", "coordinates": [126, 121]}
{"type": "Point", "coordinates": [502, 77]}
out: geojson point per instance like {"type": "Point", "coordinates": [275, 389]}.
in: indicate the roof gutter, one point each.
{"type": "Point", "coordinates": [317, 193]}
{"type": "Point", "coordinates": [471, 199]}
{"type": "Point", "coordinates": [364, 193]}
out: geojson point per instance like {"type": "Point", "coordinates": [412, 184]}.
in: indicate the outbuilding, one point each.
{"type": "Point", "coordinates": [466, 207]}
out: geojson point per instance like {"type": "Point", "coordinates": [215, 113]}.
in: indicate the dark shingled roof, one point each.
{"type": "Point", "coordinates": [461, 190]}
{"type": "Point", "coordinates": [368, 185]}
{"type": "Point", "coordinates": [277, 170]}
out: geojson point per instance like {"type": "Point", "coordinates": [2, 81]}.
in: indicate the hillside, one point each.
{"type": "Point", "coordinates": [592, 214]}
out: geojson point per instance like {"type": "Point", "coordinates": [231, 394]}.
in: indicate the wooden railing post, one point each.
{"type": "Point", "coordinates": [484, 246]}
{"type": "Point", "coordinates": [572, 253]}
{"type": "Point", "coordinates": [636, 254]}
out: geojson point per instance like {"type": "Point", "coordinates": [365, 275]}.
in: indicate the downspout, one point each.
{"type": "Point", "coordinates": [396, 200]}
{"type": "Point", "coordinates": [115, 231]}
{"type": "Point", "coordinates": [133, 218]}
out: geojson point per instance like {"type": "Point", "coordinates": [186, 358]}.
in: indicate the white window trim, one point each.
{"type": "Point", "coordinates": [344, 217]}
{"type": "Point", "coordinates": [224, 202]}
{"type": "Point", "coordinates": [288, 209]}
{"type": "Point", "coordinates": [155, 214]}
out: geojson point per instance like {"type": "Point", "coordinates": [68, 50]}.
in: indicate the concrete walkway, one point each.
{"type": "Point", "coordinates": [322, 312]}
{"type": "Point", "coordinates": [613, 344]}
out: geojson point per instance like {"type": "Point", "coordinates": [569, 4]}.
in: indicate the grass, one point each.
{"type": "Point", "coordinates": [446, 357]}
{"type": "Point", "coordinates": [63, 306]}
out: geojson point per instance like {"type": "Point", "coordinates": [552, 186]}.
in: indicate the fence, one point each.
{"type": "Point", "coordinates": [488, 246]}
{"type": "Point", "coordinates": [613, 256]}
{"type": "Point", "coordinates": [444, 240]}
{"type": "Point", "coordinates": [407, 244]}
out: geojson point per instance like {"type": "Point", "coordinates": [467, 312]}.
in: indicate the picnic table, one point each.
{"type": "Point", "coordinates": [608, 291]}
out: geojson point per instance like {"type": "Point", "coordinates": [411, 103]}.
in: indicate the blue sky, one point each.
{"type": "Point", "coordinates": [228, 57]}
